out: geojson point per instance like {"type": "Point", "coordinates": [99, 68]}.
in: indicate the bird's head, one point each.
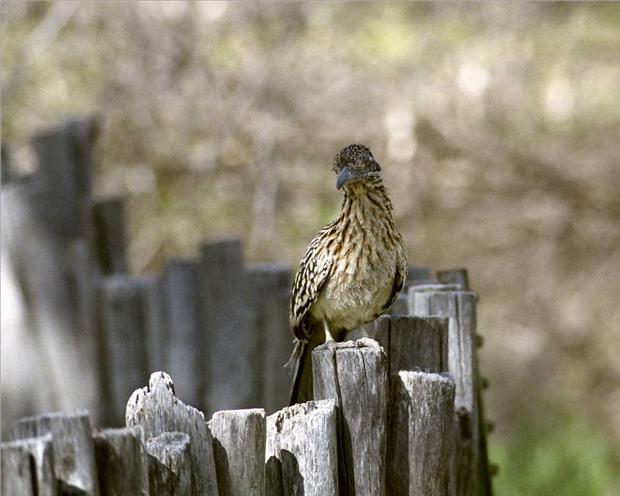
{"type": "Point", "coordinates": [355, 163]}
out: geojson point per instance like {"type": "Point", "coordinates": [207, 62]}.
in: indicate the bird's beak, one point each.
{"type": "Point", "coordinates": [344, 177]}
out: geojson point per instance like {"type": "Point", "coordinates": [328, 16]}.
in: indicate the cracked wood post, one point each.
{"type": "Point", "coordinates": [301, 452]}
{"type": "Point", "coordinates": [157, 410]}
{"type": "Point", "coordinates": [460, 307]}
{"type": "Point", "coordinates": [28, 465]}
{"type": "Point", "coordinates": [121, 460]}
{"type": "Point", "coordinates": [413, 342]}
{"type": "Point", "coordinates": [170, 464]}
{"type": "Point", "coordinates": [185, 344]}
{"type": "Point", "coordinates": [239, 450]}
{"type": "Point", "coordinates": [73, 449]}
{"type": "Point", "coordinates": [420, 434]}
{"type": "Point", "coordinates": [355, 375]}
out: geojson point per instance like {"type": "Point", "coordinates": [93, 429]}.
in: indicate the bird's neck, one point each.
{"type": "Point", "coordinates": [367, 200]}
{"type": "Point", "coordinates": [367, 196]}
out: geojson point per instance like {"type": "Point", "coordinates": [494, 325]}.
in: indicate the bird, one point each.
{"type": "Point", "coordinates": [353, 269]}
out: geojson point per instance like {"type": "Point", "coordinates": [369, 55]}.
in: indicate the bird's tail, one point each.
{"type": "Point", "coordinates": [301, 360]}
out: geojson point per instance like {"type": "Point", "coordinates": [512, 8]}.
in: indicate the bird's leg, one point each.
{"type": "Point", "coordinates": [328, 334]}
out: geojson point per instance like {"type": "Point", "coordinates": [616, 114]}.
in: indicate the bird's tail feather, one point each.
{"type": "Point", "coordinates": [301, 390]}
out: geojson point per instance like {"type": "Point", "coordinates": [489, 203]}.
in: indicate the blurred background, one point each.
{"type": "Point", "coordinates": [497, 126]}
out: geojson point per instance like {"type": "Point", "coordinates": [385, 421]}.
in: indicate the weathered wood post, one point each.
{"type": "Point", "coordinates": [420, 436]}
{"type": "Point", "coordinates": [28, 465]}
{"type": "Point", "coordinates": [301, 453]}
{"type": "Point", "coordinates": [121, 334]}
{"type": "Point", "coordinates": [122, 464]}
{"type": "Point", "coordinates": [156, 409]}
{"type": "Point", "coordinates": [271, 287]}
{"type": "Point", "coordinates": [107, 235]}
{"type": "Point", "coordinates": [239, 450]}
{"type": "Point", "coordinates": [73, 449]}
{"type": "Point", "coordinates": [460, 307]}
{"type": "Point", "coordinates": [354, 374]}
{"type": "Point", "coordinates": [185, 344]}
{"type": "Point", "coordinates": [233, 365]}
{"type": "Point", "coordinates": [170, 464]}
{"type": "Point", "coordinates": [413, 342]}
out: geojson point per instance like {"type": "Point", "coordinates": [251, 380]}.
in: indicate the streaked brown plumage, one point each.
{"type": "Point", "coordinates": [352, 270]}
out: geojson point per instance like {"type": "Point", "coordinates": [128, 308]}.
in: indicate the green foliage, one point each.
{"type": "Point", "coordinates": [558, 454]}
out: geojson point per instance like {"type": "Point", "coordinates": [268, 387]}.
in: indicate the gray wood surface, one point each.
{"type": "Point", "coordinates": [74, 455]}
{"type": "Point", "coordinates": [157, 410]}
{"type": "Point", "coordinates": [418, 457]}
{"type": "Point", "coordinates": [239, 449]}
{"type": "Point", "coordinates": [302, 450]}
{"type": "Point", "coordinates": [107, 235]}
{"type": "Point", "coordinates": [170, 465]}
{"type": "Point", "coordinates": [271, 293]}
{"type": "Point", "coordinates": [454, 276]}
{"type": "Point", "coordinates": [233, 362]}
{"type": "Point", "coordinates": [156, 332]}
{"type": "Point", "coordinates": [413, 342]}
{"type": "Point", "coordinates": [122, 465]}
{"type": "Point", "coordinates": [185, 344]}
{"type": "Point", "coordinates": [460, 308]}
{"type": "Point", "coordinates": [123, 354]}
{"type": "Point", "coordinates": [354, 373]}
{"type": "Point", "coordinates": [26, 465]}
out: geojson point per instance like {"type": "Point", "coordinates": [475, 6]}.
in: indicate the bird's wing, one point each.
{"type": "Point", "coordinates": [312, 274]}
{"type": "Point", "coordinates": [400, 276]}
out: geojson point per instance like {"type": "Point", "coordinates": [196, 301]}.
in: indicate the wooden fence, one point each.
{"type": "Point", "coordinates": [398, 409]}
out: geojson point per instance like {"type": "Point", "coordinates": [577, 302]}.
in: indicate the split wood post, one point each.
{"type": "Point", "coordinates": [28, 467]}
{"type": "Point", "coordinates": [122, 464]}
{"type": "Point", "coordinates": [354, 374]}
{"type": "Point", "coordinates": [185, 346]}
{"type": "Point", "coordinates": [302, 452]}
{"type": "Point", "coordinates": [170, 464]}
{"type": "Point", "coordinates": [233, 365]}
{"type": "Point", "coordinates": [420, 435]}
{"type": "Point", "coordinates": [271, 288]}
{"type": "Point", "coordinates": [413, 342]}
{"type": "Point", "coordinates": [107, 235]}
{"type": "Point", "coordinates": [157, 410]}
{"type": "Point", "coordinates": [121, 335]}
{"type": "Point", "coordinates": [73, 450]}
{"type": "Point", "coordinates": [239, 450]}
{"type": "Point", "coordinates": [460, 307]}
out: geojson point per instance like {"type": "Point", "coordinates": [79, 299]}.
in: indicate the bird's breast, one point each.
{"type": "Point", "coordinates": [362, 277]}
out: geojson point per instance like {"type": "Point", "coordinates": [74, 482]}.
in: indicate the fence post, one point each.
{"type": "Point", "coordinates": [355, 375]}
{"type": "Point", "coordinates": [122, 465]}
{"type": "Point", "coordinates": [239, 450]}
{"type": "Point", "coordinates": [27, 463]}
{"type": "Point", "coordinates": [302, 453]}
{"type": "Point", "coordinates": [422, 409]}
{"type": "Point", "coordinates": [413, 342]}
{"type": "Point", "coordinates": [73, 450]}
{"type": "Point", "coordinates": [185, 343]}
{"type": "Point", "coordinates": [271, 287]}
{"type": "Point", "coordinates": [233, 364]}
{"type": "Point", "coordinates": [170, 469]}
{"type": "Point", "coordinates": [460, 307]}
{"type": "Point", "coordinates": [156, 409]}
{"type": "Point", "coordinates": [107, 235]}
{"type": "Point", "coordinates": [121, 336]}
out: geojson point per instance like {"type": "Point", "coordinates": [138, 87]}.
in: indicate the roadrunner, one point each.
{"type": "Point", "coordinates": [352, 270]}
